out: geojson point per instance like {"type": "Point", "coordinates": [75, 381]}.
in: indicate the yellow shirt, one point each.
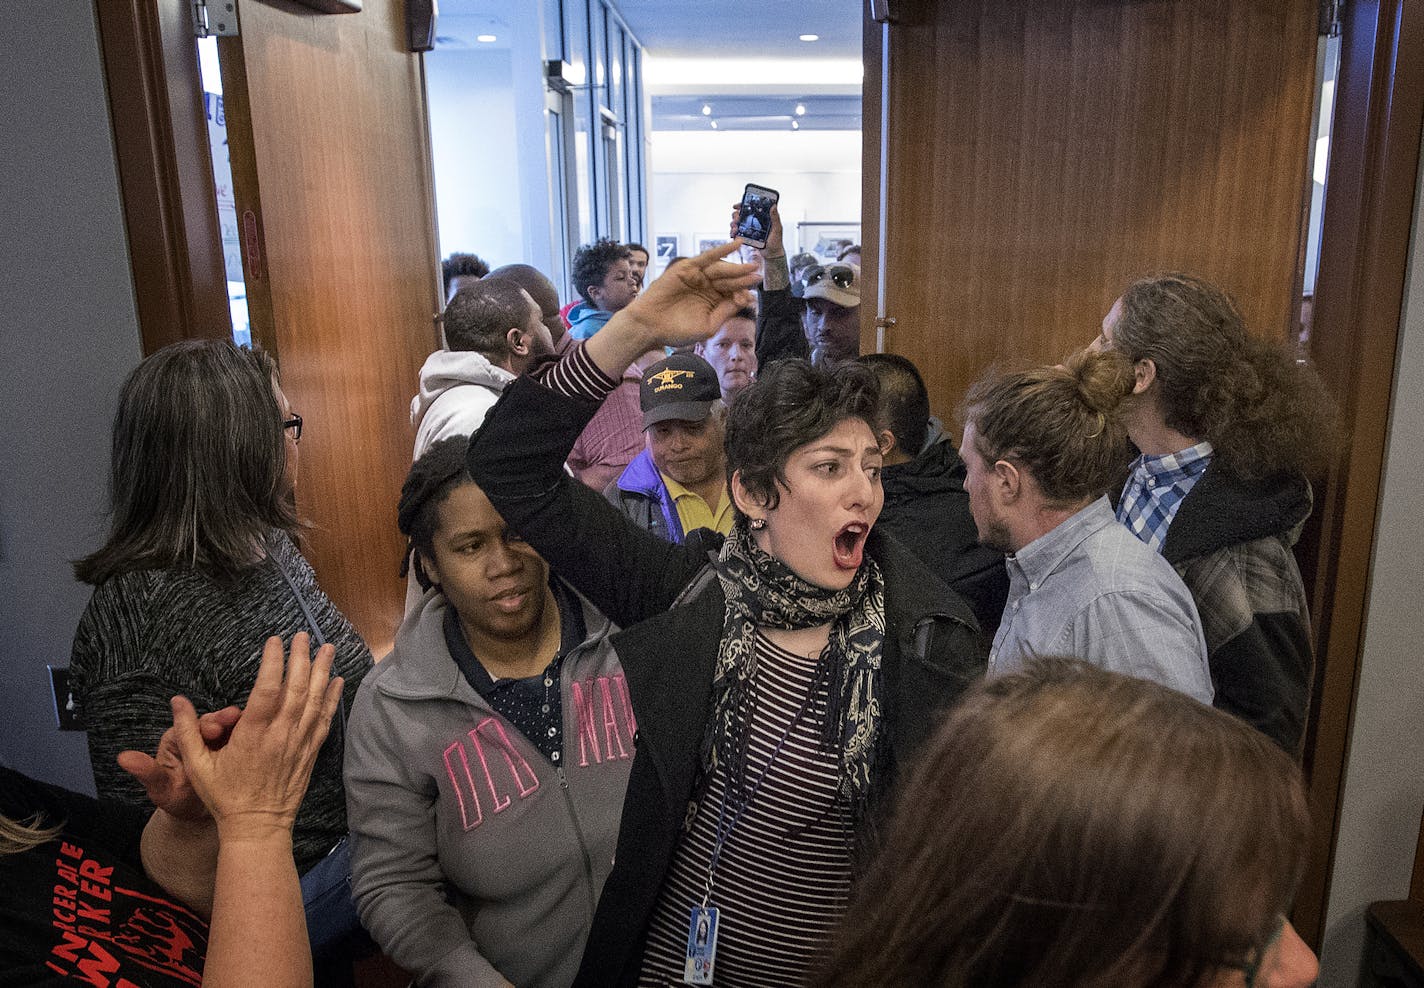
{"type": "Point", "coordinates": [693, 511]}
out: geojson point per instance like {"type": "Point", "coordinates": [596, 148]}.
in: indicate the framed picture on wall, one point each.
{"type": "Point", "coordinates": [826, 240]}
{"type": "Point", "coordinates": [666, 246]}
{"type": "Point", "coordinates": [706, 241]}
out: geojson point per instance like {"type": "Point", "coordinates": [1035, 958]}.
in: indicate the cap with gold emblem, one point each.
{"type": "Point", "coordinates": [682, 387]}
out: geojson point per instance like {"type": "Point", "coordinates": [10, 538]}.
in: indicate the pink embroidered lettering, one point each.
{"type": "Point", "coordinates": [587, 726]}
{"type": "Point", "coordinates": [499, 807]}
{"type": "Point", "coordinates": [622, 684]}
{"type": "Point", "coordinates": [524, 776]}
{"type": "Point", "coordinates": [611, 735]}
{"type": "Point", "coordinates": [459, 790]}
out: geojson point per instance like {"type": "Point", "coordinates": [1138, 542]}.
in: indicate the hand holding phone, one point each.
{"type": "Point", "coordinates": [754, 214]}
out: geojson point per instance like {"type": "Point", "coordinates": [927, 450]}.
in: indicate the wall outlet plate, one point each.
{"type": "Point", "coordinates": [63, 699]}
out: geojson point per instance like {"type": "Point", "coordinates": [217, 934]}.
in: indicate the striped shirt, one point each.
{"type": "Point", "coordinates": [784, 873]}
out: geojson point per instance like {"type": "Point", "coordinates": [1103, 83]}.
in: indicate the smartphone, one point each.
{"type": "Point", "coordinates": [754, 216]}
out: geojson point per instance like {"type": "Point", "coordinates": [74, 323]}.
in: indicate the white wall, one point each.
{"type": "Point", "coordinates": [1384, 777]}
{"type": "Point", "coordinates": [478, 192]}
{"type": "Point", "coordinates": [697, 177]}
{"type": "Point", "coordinates": [69, 336]}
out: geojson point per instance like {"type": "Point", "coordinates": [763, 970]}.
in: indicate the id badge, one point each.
{"type": "Point", "coordinates": [701, 946]}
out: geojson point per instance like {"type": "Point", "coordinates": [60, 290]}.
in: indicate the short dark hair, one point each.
{"type": "Point", "coordinates": [533, 281]}
{"type": "Point", "coordinates": [199, 464]}
{"type": "Point", "coordinates": [849, 249]}
{"type": "Point", "coordinates": [480, 316]}
{"type": "Point", "coordinates": [1063, 424]}
{"type": "Point", "coordinates": [440, 469]}
{"type": "Point", "coordinates": [904, 399]}
{"type": "Point", "coordinates": [640, 249]}
{"type": "Point", "coordinates": [592, 261]}
{"type": "Point", "coordinates": [462, 266]}
{"type": "Point", "coordinates": [788, 406]}
{"type": "Point", "coordinates": [745, 312]}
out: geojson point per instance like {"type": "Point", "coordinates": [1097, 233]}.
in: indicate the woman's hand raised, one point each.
{"type": "Point", "coordinates": [253, 785]}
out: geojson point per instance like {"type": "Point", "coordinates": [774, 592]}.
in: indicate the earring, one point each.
{"type": "Point", "coordinates": [758, 524]}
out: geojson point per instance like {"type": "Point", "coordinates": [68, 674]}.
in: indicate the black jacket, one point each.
{"type": "Point", "coordinates": [779, 333]}
{"type": "Point", "coordinates": [1231, 543]}
{"type": "Point", "coordinates": [932, 648]}
{"type": "Point", "coordinates": [927, 510]}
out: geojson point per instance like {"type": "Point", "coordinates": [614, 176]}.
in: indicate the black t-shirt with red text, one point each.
{"type": "Point", "coordinates": [79, 908]}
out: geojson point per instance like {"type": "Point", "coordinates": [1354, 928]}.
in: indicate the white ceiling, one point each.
{"type": "Point", "coordinates": [742, 57]}
{"type": "Point", "coordinates": [746, 28]}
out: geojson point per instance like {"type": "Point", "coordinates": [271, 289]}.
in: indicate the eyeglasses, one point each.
{"type": "Point", "coordinates": [841, 275]}
{"type": "Point", "coordinates": [294, 424]}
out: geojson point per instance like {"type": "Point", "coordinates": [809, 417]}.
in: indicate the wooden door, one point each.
{"type": "Point", "coordinates": [327, 129]}
{"type": "Point", "coordinates": [1040, 154]}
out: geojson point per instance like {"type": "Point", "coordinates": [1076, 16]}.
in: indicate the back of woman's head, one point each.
{"type": "Point", "coordinates": [1063, 423]}
{"type": "Point", "coordinates": [1262, 410]}
{"type": "Point", "coordinates": [790, 404]}
{"type": "Point", "coordinates": [1071, 826]}
{"type": "Point", "coordinates": [198, 476]}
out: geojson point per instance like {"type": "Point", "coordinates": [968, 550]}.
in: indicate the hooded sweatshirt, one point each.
{"type": "Point", "coordinates": [585, 320]}
{"type": "Point", "coordinates": [474, 857]}
{"type": "Point", "coordinates": [457, 388]}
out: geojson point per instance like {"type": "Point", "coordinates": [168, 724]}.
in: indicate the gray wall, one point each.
{"type": "Point", "coordinates": [1384, 777]}
{"type": "Point", "coordinates": [69, 335]}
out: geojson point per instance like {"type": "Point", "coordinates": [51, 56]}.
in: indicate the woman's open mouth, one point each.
{"type": "Point", "coordinates": [850, 545]}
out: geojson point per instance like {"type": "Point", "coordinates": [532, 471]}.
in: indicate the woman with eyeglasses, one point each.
{"type": "Point", "coordinates": [201, 566]}
{"type": "Point", "coordinates": [1072, 826]}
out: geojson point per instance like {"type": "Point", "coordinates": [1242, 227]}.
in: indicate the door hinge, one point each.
{"type": "Point", "coordinates": [1330, 17]}
{"type": "Point", "coordinates": [215, 19]}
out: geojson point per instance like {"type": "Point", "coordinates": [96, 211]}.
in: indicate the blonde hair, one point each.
{"type": "Point", "coordinates": [1062, 423]}
{"type": "Point", "coordinates": [17, 837]}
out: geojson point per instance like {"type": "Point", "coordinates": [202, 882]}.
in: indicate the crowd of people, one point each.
{"type": "Point", "coordinates": [723, 662]}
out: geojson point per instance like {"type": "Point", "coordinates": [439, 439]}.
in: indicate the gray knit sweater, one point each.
{"type": "Point", "coordinates": [149, 634]}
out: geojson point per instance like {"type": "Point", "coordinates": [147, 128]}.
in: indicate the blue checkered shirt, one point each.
{"type": "Point", "coordinates": [1156, 488]}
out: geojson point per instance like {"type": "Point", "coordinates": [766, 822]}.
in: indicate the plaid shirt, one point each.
{"type": "Point", "coordinates": [1156, 488]}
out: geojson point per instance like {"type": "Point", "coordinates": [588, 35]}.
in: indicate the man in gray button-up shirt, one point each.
{"type": "Point", "coordinates": [1040, 449]}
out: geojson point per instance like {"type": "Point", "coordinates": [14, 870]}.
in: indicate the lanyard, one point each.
{"type": "Point", "coordinates": [725, 826]}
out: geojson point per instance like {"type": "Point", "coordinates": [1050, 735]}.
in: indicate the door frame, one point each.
{"type": "Point", "coordinates": [164, 161]}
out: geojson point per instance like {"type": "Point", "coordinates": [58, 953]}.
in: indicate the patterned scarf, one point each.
{"type": "Point", "coordinates": [762, 591]}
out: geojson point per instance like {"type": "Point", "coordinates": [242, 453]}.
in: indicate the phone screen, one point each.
{"type": "Point", "coordinates": [754, 221]}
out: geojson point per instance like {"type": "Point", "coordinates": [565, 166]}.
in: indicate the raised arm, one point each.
{"type": "Point", "coordinates": [778, 326]}
{"type": "Point", "coordinates": [252, 787]}
{"type": "Point", "coordinates": [517, 456]}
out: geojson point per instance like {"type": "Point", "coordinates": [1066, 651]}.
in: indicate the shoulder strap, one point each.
{"type": "Point", "coordinates": [316, 636]}
{"type": "Point", "coordinates": [698, 583]}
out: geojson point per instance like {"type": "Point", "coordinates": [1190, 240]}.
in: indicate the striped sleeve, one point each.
{"type": "Point", "coordinates": [575, 375]}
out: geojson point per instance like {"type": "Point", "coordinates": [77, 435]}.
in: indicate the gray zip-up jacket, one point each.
{"type": "Point", "coordinates": [474, 858]}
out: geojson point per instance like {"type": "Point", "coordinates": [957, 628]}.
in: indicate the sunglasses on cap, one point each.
{"type": "Point", "coordinates": [841, 275]}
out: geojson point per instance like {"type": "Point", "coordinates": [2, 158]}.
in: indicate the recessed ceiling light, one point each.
{"type": "Point", "coordinates": [714, 125]}
{"type": "Point", "coordinates": [795, 125]}
{"type": "Point", "coordinates": [706, 110]}
{"type": "Point", "coordinates": [810, 37]}
{"type": "Point", "coordinates": [800, 109]}
{"type": "Point", "coordinates": [486, 39]}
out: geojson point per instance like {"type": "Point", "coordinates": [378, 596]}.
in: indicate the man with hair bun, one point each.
{"type": "Point", "coordinates": [1229, 429]}
{"type": "Point", "coordinates": [1041, 448]}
